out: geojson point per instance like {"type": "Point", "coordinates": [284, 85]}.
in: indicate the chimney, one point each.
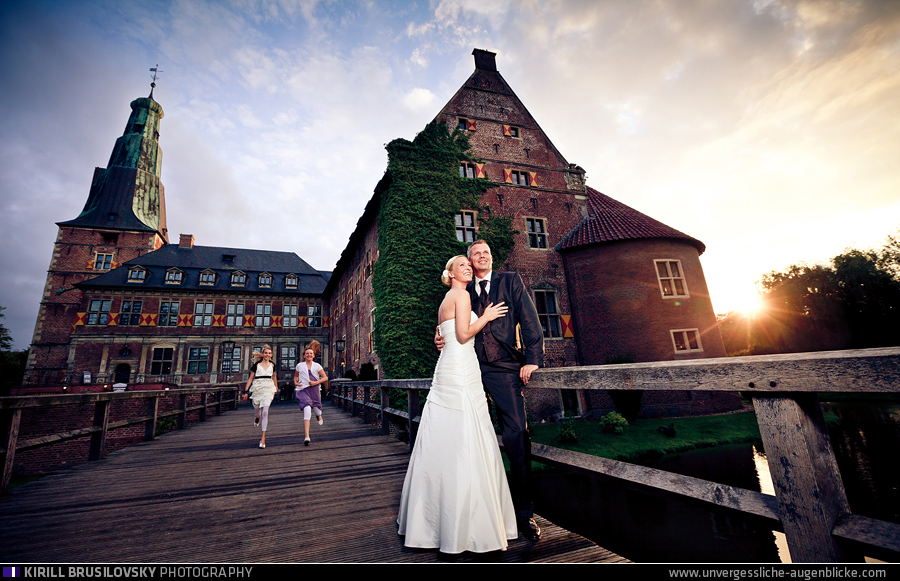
{"type": "Point", "coordinates": [186, 241]}
{"type": "Point", "coordinates": [485, 59]}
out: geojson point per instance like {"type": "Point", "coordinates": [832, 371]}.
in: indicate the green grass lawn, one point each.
{"type": "Point", "coordinates": [642, 439]}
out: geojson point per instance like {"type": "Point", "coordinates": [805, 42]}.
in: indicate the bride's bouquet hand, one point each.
{"type": "Point", "coordinates": [495, 311]}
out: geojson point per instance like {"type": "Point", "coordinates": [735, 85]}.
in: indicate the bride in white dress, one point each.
{"type": "Point", "coordinates": [455, 496]}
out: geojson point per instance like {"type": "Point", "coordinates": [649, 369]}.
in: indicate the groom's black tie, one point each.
{"type": "Point", "coordinates": [482, 298]}
{"type": "Point", "coordinates": [492, 349]}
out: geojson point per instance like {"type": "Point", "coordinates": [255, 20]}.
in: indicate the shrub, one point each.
{"type": "Point", "coordinates": [614, 422]}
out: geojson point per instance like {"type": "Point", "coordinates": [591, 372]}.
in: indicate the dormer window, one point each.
{"type": "Point", "coordinates": [174, 276]}
{"type": "Point", "coordinates": [137, 274]}
{"type": "Point", "coordinates": [228, 258]}
{"type": "Point", "coordinates": [291, 281]}
{"type": "Point", "coordinates": [207, 277]}
{"type": "Point", "coordinates": [238, 278]}
{"type": "Point", "coordinates": [265, 280]}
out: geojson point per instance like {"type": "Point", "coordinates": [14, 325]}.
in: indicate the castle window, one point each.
{"type": "Point", "coordinates": [203, 314]}
{"type": "Point", "coordinates": [174, 276]}
{"type": "Point", "coordinates": [537, 232]}
{"type": "Point", "coordinates": [162, 361]}
{"type": "Point", "coordinates": [291, 281]}
{"type": "Point", "coordinates": [314, 316]}
{"type": "Point", "coordinates": [372, 331]}
{"type": "Point", "coordinates": [548, 313]}
{"type": "Point", "coordinates": [137, 274]}
{"type": "Point", "coordinates": [520, 178]}
{"type": "Point", "coordinates": [290, 315]}
{"type": "Point", "coordinates": [231, 359]}
{"type": "Point", "coordinates": [103, 262]}
{"type": "Point", "coordinates": [465, 226]}
{"type": "Point", "coordinates": [234, 315]}
{"type": "Point", "coordinates": [686, 340]}
{"type": "Point", "coordinates": [671, 279]}
{"type": "Point", "coordinates": [466, 124]}
{"type": "Point", "coordinates": [265, 280]}
{"type": "Point", "coordinates": [168, 314]}
{"type": "Point", "coordinates": [288, 359]}
{"type": "Point", "coordinates": [466, 170]}
{"type": "Point", "coordinates": [207, 278]}
{"type": "Point", "coordinates": [198, 360]}
{"type": "Point", "coordinates": [98, 312]}
{"type": "Point", "coordinates": [131, 312]}
{"type": "Point", "coordinates": [510, 131]}
{"type": "Point", "coordinates": [263, 315]}
{"type": "Point", "coordinates": [238, 278]}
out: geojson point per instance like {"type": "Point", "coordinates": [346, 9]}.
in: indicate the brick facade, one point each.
{"type": "Point", "coordinates": [591, 264]}
{"type": "Point", "coordinates": [599, 297]}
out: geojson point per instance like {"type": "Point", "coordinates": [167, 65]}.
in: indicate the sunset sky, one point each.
{"type": "Point", "coordinates": [768, 129]}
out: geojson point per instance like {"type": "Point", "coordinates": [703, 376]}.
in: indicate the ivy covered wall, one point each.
{"type": "Point", "coordinates": [416, 237]}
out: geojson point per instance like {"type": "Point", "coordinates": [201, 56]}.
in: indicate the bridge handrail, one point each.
{"type": "Point", "coordinates": [12, 407]}
{"type": "Point", "coordinates": [810, 503]}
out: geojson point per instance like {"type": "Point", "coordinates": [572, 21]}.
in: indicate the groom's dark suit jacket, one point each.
{"type": "Point", "coordinates": [507, 287]}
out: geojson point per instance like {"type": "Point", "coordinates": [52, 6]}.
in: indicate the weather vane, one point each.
{"type": "Point", "coordinates": [155, 70]}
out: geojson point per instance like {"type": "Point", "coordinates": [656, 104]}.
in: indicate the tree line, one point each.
{"type": "Point", "coordinates": [851, 302]}
{"type": "Point", "coordinates": [12, 363]}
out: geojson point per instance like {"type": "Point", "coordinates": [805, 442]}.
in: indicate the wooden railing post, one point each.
{"type": "Point", "coordinates": [101, 424]}
{"type": "Point", "coordinates": [182, 417]}
{"type": "Point", "coordinates": [152, 414]}
{"type": "Point", "coordinates": [805, 474]}
{"type": "Point", "coordinates": [10, 425]}
{"type": "Point", "coordinates": [413, 427]}
{"type": "Point", "coordinates": [385, 403]}
{"type": "Point", "coordinates": [366, 413]}
{"type": "Point", "coordinates": [203, 399]}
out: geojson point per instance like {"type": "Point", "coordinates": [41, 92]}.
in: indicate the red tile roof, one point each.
{"type": "Point", "coordinates": [610, 221]}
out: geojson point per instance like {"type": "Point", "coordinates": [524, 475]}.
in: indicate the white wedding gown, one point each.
{"type": "Point", "coordinates": [455, 496]}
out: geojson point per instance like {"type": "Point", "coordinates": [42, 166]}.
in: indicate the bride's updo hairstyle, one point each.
{"type": "Point", "coordinates": [445, 276]}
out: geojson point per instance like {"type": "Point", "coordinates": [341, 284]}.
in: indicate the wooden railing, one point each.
{"type": "Point", "coordinates": [12, 408]}
{"type": "Point", "coordinates": [810, 504]}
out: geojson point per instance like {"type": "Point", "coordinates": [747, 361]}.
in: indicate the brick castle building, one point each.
{"type": "Point", "coordinates": [611, 285]}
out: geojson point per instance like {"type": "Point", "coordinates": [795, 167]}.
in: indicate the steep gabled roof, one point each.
{"type": "Point", "coordinates": [610, 221]}
{"type": "Point", "coordinates": [222, 261]}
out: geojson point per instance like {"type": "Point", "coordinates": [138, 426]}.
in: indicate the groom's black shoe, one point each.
{"type": "Point", "coordinates": [529, 529]}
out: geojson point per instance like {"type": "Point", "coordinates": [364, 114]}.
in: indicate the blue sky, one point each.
{"type": "Point", "coordinates": [768, 129]}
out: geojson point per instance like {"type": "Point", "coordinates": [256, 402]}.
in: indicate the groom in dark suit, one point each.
{"type": "Point", "coordinates": [505, 369]}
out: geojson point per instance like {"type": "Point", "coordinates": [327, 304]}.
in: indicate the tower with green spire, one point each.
{"type": "Point", "coordinates": [124, 217]}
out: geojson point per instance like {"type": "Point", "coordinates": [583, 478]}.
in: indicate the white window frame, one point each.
{"type": "Point", "coordinates": [289, 314]}
{"type": "Point", "coordinates": [234, 314]}
{"type": "Point", "coordinates": [203, 316]}
{"type": "Point", "coordinates": [681, 340]}
{"type": "Point", "coordinates": [669, 282]}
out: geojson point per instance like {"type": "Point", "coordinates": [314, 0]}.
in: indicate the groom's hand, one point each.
{"type": "Point", "coordinates": [438, 338]}
{"type": "Point", "coordinates": [525, 373]}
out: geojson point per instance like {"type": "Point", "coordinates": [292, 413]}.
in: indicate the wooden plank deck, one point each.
{"type": "Point", "coordinates": [208, 494]}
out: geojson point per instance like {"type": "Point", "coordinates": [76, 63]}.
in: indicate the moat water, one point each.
{"type": "Point", "coordinates": [648, 528]}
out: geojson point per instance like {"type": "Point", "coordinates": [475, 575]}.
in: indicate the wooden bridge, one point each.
{"type": "Point", "coordinates": [209, 494]}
